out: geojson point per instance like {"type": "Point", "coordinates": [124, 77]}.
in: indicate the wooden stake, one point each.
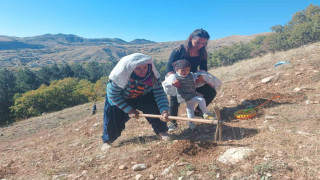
{"type": "Point", "coordinates": [219, 125]}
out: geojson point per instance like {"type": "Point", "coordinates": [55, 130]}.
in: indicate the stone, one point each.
{"type": "Point", "coordinates": [297, 89]}
{"type": "Point", "coordinates": [122, 167]}
{"type": "Point", "coordinates": [189, 173]}
{"type": "Point", "coordinates": [234, 155]}
{"type": "Point", "coordinates": [138, 177]}
{"type": "Point", "coordinates": [267, 79]}
{"type": "Point", "coordinates": [269, 117]}
{"type": "Point", "coordinates": [166, 171]}
{"type": "Point", "coordinates": [139, 167]}
{"type": "Point", "coordinates": [151, 176]}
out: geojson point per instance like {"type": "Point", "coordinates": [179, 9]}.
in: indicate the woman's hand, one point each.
{"type": "Point", "coordinates": [199, 79]}
{"type": "Point", "coordinates": [176, 84]}
{"type": "Point", "coordinates": [133, 113]}
{"type": "Point", "coordinates": [164, 116]}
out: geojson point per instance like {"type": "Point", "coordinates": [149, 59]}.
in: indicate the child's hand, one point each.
{"type": "Point", "coordinates": [176, 84]}
{"type": "Point", "coordinates": [199, 79]}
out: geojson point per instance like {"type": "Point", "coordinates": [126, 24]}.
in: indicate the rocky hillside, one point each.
{"type": "Point", "coordinates": [280, 142]}
{"type": "Point", "coordinates": [60, 48]}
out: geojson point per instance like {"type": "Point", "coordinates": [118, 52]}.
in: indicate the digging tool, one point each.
{"type": "Point", "coordinates": [250, 112]}
{"type": "Point", "coordinates": [217, 122]}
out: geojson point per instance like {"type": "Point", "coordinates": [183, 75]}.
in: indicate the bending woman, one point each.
{"type": "Point", "coordinates": [194, 50]}
{"type": "Point", "coordinates": [134, 83]}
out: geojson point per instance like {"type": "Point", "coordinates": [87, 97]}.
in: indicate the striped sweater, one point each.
{"type": "Point", "coordinates": [134, 89]}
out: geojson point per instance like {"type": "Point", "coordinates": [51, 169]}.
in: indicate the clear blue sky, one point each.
{"type": "Point", "coordinates": [160, 21]}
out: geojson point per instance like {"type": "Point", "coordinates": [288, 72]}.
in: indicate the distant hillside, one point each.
{"type": "Point", "coordinates": [61, 48]}
{"type": "Point", "coordinates": [141, 41]}
{"type": "Point", "coordinates": [7, 45]}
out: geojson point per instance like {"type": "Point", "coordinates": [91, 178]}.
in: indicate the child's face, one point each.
{"type": "Point", "coordinates": [184, 71]}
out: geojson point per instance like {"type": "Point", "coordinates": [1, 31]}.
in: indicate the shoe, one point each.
{"type": "Point", "coordinates": [192, 127]}
{"type": "Point", "coordinates": [210, 116]}
{"type": "Point", "coordinates": [172, 127]}
{"type": "Point", "coordinates": [165, 136]}
{"type": "Point", "coordinates": [105, 146]}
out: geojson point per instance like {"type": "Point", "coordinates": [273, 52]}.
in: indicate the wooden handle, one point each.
{"type": "Point", "coordinates": [181, 118]}
{"type": "Point", "coordinates": [266, 102]}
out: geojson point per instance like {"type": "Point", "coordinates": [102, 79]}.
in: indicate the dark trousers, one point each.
{"type": "Point", "coordinates": [114, 119]}
{"type": "Point", "coordinates": [206, 90]}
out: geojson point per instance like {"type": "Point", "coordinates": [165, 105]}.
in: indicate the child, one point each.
{"type": "Point", "coordinates": [184, 81]}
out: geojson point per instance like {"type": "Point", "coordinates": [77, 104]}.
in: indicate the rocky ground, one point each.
{"type": "Point", "coordinates": [280, 142]}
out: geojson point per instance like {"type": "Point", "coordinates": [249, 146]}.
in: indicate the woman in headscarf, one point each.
{"type": "Point", "coordinates": [134, 84]}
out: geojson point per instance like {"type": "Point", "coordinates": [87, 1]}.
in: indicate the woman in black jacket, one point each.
{"type": "Point", "coordinates": [194, 50]}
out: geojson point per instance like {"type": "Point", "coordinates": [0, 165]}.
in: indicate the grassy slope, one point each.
{"type": "Point", "coordinates": [66, 144]}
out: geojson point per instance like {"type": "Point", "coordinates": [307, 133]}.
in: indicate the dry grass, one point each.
{"type": "Point", "coordinates": [285, 133]}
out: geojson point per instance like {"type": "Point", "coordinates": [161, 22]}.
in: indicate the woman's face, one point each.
{"type": "Point", "coordinates": [141, 70]}
{"type": "Point", "coordinates": [198, 42]}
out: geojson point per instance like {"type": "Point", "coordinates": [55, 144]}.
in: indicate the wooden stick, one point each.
{"type": "Point", "coordinates": [219, 125]}
{"type": "Point", "coordinates": [181, 118]}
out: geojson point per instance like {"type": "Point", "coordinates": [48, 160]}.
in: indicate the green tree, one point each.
{"type": "Point", "coordinates": [26, 80]}
{"type": "Point", "coordinates": [7, 91]}
{"type": "Point", "coordinates": [59, 95]}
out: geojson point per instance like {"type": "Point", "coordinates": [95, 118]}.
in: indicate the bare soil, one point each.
{"type": "Point", "coordinates": [284, 133]}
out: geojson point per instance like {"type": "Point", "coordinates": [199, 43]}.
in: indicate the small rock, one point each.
{"type": "Point", "coordinates": [151, 176]}
{"type": "Point", "coordinates": [166, 171]}
{"type": "Point", "coordinates": [122, 167]}
{"type": "Point", "coordinates": [272, 129]}
{"type": "Point", "coordinates": [96, 124]}
{"type": "Point", "coordinates": [303, 133]}
{"type": "Point", "coordinates": [269, 117]}
{"type": "Point", "coordinates": [307, 102]}
{"type": "Point", "coordinates": [267, 79]}
{"type": "Point", "coordinates": [138, 176]}
{"type": "Point", "coordinates": [269, 174]}
{"type": "Point", "coordinates": [189, 173]}
{"type": "Point", "coordinates": [182, 163]}
{"type": "Point", "coordinates": [139, 167]}
{"type": "Point", "coordinates": [297, 89]}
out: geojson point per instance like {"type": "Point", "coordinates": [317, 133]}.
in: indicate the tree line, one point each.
{"type": "Point", "coordinates": [302, 29]}
{"type": "Point", "coordinates": [25, 93]}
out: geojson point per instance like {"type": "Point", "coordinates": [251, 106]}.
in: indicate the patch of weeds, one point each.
{"type": "Point", "coordinates": [264, 168]}
{"type": "Point", "coordinates": [190, 167]}
{"type": "Point", "coordinates": [182, 173]}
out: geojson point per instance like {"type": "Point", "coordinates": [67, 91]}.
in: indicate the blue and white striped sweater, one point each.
{"type": "Point", "coordinates": [117, 96]}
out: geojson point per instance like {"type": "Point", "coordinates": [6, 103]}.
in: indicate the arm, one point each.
{"type": "Point", "coordinates": [203, 65]}
{"type": "Point", "coordinates": [160, 97]}
{"type": "Point", "coordinates": [114, 95]}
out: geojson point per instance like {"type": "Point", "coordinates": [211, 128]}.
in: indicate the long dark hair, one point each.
{"type": "Point", "coordinates": [201, 34]}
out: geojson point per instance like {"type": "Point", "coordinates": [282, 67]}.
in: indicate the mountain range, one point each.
{"type": "Point", "coordinates": [36, 51]}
